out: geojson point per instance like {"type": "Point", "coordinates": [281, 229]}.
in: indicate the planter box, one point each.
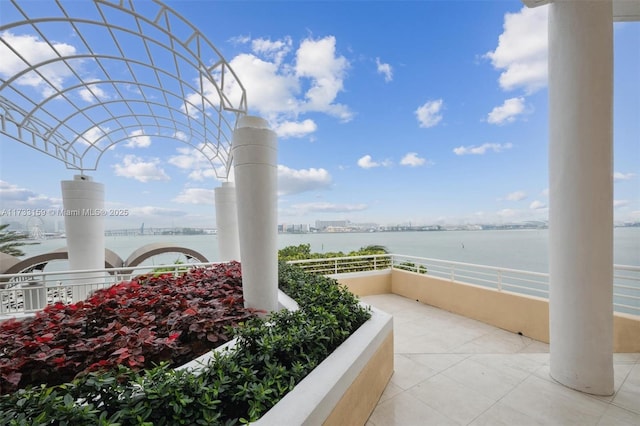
{"type": "Point", "coordinates": [345, 387]}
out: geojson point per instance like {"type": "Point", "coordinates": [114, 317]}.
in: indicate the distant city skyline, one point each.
{"type": "Point", "coordinates": [430, 113]}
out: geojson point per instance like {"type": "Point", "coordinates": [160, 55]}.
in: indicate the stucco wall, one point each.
{"type": "Point", "coordinates": [510, 311]}
{"type": "Point", "coordinates": [626, 333]}
{"type": "Point", "coordinates": [359, 401]}
{"type": "Point", "coordinates": [366, 283]}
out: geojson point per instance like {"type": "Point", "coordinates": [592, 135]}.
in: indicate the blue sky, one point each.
{"type": "Point", "coordinates": [423, 112]}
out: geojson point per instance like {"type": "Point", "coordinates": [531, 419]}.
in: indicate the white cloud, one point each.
{"type": "Point", "coordinates": [620, 203]}
{"type": "Point", "coordinates": [429, 114]}
{"type": "Point", "coordinates": [199, 166]}
{"type": "Point", "coordinates": [296, 129]}
{"type": "Point", "coordinates": [275, 50]}
{"type": "Point", "coordinates": [516, 196]}
{"type": "Point", "coordinates": [137, 139]}
{"type": "Point", "coordinates": [482, 149]}
{"type": "Point", "coordinates": [194, 103]}
{"type": "Point", "coordinates": [93, 93]}
{"type": "Point", "coordinates": [182, 136]}
{"type": "Point", "coordinates": [284, 82]}
{"type": "Point", "coordinates": [155, 211]}
{"type": "Point", "coordinates": [507, 112]}
{"type": "Point", "coordinates": [202, 174]}
{"type": "Point", "coordinates": [367, 162]}
{"type": "Point", "coordinates": [34, 51]}
{"type": "Point", "coordinates": [91, 136]}
{"type": "Point", "coordinates": [13, 196]}
{"type": "Point", "coordinates": [273, 89]}
{"type": "Point", "coordinates": [521, 53]}
{"type": "Point", "coordinates": [537, 205]}
{"type": "Point", "coordinates": [384, 69]}
{"type": "Point", "coordinates": [140, 169]}
{"type": "Point", "coordinates": [291, 181]}
{"type": "Point", "coordinates": [189, 158]}
{"type": "Point", "coordinates": [411, 159]}
{"type": "Point", "coordinates": [240, 39]}
{"type": "Point", "coordinates": [196, 196]}
{"type": "Point", "coordinates": [545, 192]}
{"type": "Point", "coordinates": [618, 176]}
{"type": "Point", "coordinates": [318, 61]}
{"type": "Point", "coordinates": [323, 207]}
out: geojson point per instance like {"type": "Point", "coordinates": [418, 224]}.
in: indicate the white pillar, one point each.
{"type": "Point", "coordinates": [83, 204]}
{"type": "Point", "coordinates": [255, 165]}
{"type": "Point", "coordinates": [227, 222]}
{"type": "Point", "coordinates": [581, 194]}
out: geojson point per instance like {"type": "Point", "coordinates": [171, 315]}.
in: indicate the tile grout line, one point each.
{"type": "Point", "coordinates": [529, 374]}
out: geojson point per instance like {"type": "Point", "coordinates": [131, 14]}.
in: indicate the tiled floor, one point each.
{"type": "Point", "coordinates": [451, 370]}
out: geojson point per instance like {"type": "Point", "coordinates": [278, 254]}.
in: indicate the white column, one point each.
{"type": "Point", "coordinates": [255, 165]}
{"type": "Point", "coordinates": [83, 204]}
{"type": "Point", "coordinates": [227, 222]}
{"type": "Point", "coordinates": [581, 194]}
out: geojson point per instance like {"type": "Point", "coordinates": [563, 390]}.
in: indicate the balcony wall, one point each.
{"type": "Point", "coordinates": [517, 313]}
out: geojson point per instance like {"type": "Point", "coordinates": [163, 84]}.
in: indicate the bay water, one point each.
{"type": "Point", "coordinates": [515, 249]}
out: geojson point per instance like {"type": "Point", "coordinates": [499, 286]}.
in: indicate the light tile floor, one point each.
{"type": "Point", "coordinates": [451, 370]}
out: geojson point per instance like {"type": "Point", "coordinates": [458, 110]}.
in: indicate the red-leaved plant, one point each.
{"type": "Point", "coordinates": [136, 323]}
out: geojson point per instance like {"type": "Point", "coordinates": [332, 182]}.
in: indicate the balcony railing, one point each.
{"type": "Point", "coordinates": [626, 279]}
{"type": "Point", "coordinates": [26, 293]}
{"type": "Point", "coordinates": [29, 292]}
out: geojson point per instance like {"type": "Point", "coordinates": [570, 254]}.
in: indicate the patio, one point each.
{"type": "Point", "coordinates": [452, 370]}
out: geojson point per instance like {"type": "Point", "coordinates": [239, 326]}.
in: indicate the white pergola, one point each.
{"type": "Point", "coordinates": [581, 189]}
{"type": "Point", "coordinates": [133, 70]}
{"type": "Point", "coordinates": [136, 69]}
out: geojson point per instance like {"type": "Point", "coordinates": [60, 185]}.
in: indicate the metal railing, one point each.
{"type": "Point", "coordinates": [626, 289]}
{"type": "Point", "coordinates": [626, 279]}
{"type": "Point", "coordinates": [343, 265]}
{"type": "Point", "coordinates": [515, 280]}
{"type": "Point", "coordinates": [30, 292]}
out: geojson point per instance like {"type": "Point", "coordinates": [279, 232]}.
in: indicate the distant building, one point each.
{"type": "Point", "coordinates": [345, 226]}
{"type": "Point", "coordinates": [301, 228]}
{"type": "Point", "coordinates": [322, 225]}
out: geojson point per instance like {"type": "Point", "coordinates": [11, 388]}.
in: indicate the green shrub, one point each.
{"type": "Point", "coordinates": [412, 267]}
{"type": "Point", "coordinates": [272, 355]}
{"type": "Point", "coordinates": [303, 252]}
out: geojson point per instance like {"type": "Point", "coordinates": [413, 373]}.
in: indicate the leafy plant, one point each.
{"type": "Point", "coordinates": [271, 356]}
{"type": "Point", "coordinates": [303, 252]}
{"type": "Point", "coordinates": [412, 267]}
{"type": "Point", "coordinates": [137, 323]}
{"type": "Point", "coordinates": [11, 240]}
{"type": "Point", "coordinates": [171, 269]}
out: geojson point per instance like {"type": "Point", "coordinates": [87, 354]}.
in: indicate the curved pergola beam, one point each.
{"type": "Point", "coordinates": [153, 249]}
{"type": "Point", "coordinates": [40, 261]}
{"type": "Point", "coordinates": [171, 73]}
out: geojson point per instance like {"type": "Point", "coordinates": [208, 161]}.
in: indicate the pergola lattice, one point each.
{"type": "Point", "coordinates": [132, 70]}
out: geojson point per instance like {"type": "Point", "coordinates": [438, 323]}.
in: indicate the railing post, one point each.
{"type": "Point", "coordinates": [499, 280]}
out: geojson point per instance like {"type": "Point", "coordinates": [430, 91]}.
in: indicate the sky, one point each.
{"type": "Point", "coordinates": [410, 112]}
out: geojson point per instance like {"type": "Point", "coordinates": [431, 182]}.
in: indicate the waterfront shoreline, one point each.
{"type": "Point", "coordinates": [517, 249]}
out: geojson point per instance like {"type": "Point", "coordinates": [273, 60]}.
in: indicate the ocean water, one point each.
{"type": "Point", "coordinates": [515, 249]}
